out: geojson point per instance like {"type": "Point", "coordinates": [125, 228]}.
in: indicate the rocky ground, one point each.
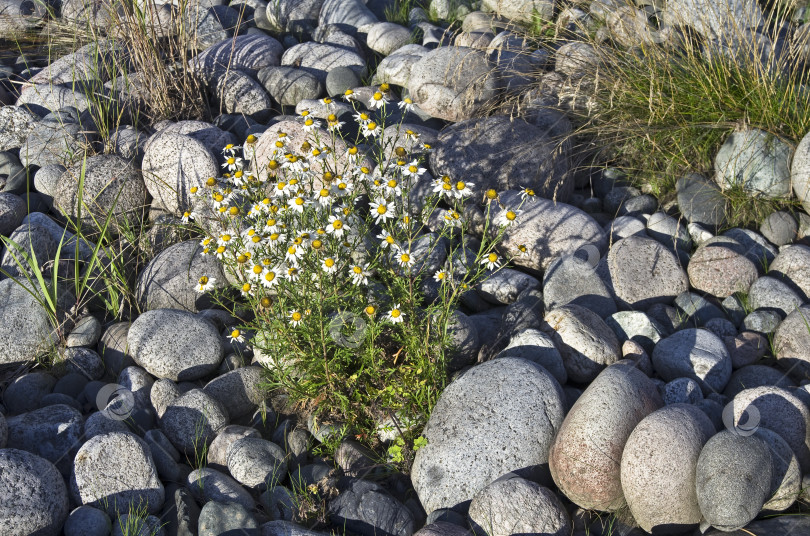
{"type": "Point", "coordinates": [635, 361]}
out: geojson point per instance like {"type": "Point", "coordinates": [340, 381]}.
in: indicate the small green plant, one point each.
{"type": "Point", "coordinates": [330, 250]}
{"type": "Point", "coordinates": [137, 523]}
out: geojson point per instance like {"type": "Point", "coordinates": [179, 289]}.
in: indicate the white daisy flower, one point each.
{"type": "Point", "coordinates": [332, 123]}
{"type": "Point", "coordinates": [452, 218]}
{"type": "Point", "coordinates": [329, 265]}
{"type": "Point", "coordinates": [236, 336]}
{"type": "Point", "coordinates": [349, 95]}
{"type": "Point", "coordinates": [391, 187]}
{"type": "Point", "coordinates": [527, 193]}
{"type": "Point", "coordinates": [293, 273]}
{"type": "Point", "coordinates": [377, 101]}
{"type": "Point", "coordinates": [311, 124]}
{"type": "Point", "coordinates": [405, 104]}
{"type": "Point", "coordinates": [232, 163]}
{"type": "Point", "coordinates": [342, 188]}
{"type": "Point", "coordinates": [461, 190]}
{"type": "Point", "coordinates": [413, 169]}
{"type": "Point", "coordinates": [491, 261]}
{"type": "Point", "coordinates": [411, 135]}
{"type": "Point", "coordinates": [296, 317]}
{"type": "Point", "coordinates": [205, 283]}
{"type": "Point", "coordinates": [387, 240]}
{"type": "Point", "coordinates": [337, 226]}
{"type": "Point", "coordinates": [359, 274]}
{"type": "Point", "coordinates": [508, 217]}
{"type": "Point", "coordinates": [293, 253]}
{"type": "Point", "coordinates": [440, 276]}
{"type": "Point", "coordinates": [371, 129]}
{"type": "Point", "coordinates": [225, 239]}
{"type": "Point", "coordinates": [247, 290]}
{"type": "Point", "coordinates": [188, 217]}
{"type": "Point", "coordinates": [395, 315]}
{"type": "Point", "coordinates": [297, 204]}
{"type": "Point", "coordinates": [324, 197]}
{"type": "Point", "coordinates": [362, 118]}
{"type": "Point", "coordinates": [382, 211]}
{"type": "Point", "coordinates": [269, 278]}
{"type": "Point", "coordinates": [404, 258]}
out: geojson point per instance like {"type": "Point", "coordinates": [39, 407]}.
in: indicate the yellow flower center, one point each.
{"type": "Point", "coordinates": [395, 313]}
{"type": "Point", "coordinates": [382, 209]}
{"type": "Point", "coordinates": [370, 310]}
{"type": "Point", "coordinates": [405, 257]}
{"type": "Point", "coordinates": [269, 276]}
{"type": "Point", "coordinates": [235, 333]}
{"type": "Point", "coordinates": [377, 96]}
{"type": "Point", "coordinates": [492, 194]}
{"type": "Point", "coordinates": [296, 316]}
{"type": "Point", "coordinates": [203, 280]}
{"type": "Point", "coordinates": [316, 244]}
{"type": "Point", "coordinates": [324, 192]}
{"type": "Point", "coordinates": [211, 181]}
{"type": "Point", "coordinates": [329, 263]}
{"type": "Point", "coordinates": [337, 224]}
{"type": "Point", "coordinates": [266, 302]}
{"type": "Point", "coordinates": [460, 185]}
{"type": "Point", "coordinates": [251, 139]}
{"type": "Point", "coordinates": [246, 287]}
{"type": "Point", "coordinates": [372, 126]}
{"type": "Point", "coordinates": [231, 161]}
{"type": "Point", "coordinates": [510, 215]}
{"type": "Point", "coordinates": [492, 257]}
{"type": "Point", "coordinates": [234, 211]}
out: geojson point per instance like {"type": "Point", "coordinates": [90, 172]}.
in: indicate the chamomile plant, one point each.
{"type": "Point", "coordinates": [347, 270]}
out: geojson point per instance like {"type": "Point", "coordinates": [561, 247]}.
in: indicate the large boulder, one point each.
{"type": "Point", "coordinates": [476, 434]}
{"type": "Point", "coordinates": [33, 495]}
{"type": "Point", "coordinates": [505, 154]}
{"type": "Point", "coordinates": [658, 468]}
{"type": "Point", "coordinates": [792, 344]}
{"type": "Point", "coordinates": [585, 456]}
{"type": "Point", "coordinates": [692, 353]}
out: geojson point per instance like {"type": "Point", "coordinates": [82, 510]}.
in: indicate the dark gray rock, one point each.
{"type": "Point", "coordinates": [756, 376]}
{"type": "Point", "coordinates": [180, 512]}
{"type": "Point", "coordinates": [786, 478]}
{"type": "Point", "coordinates": [792, 344]}
{"type": "Point", "coordinates": [33, 495]}
{"type": "Point", "coordinates": [87, 521]}
{"type": "Point", "coordinates": [247, 53]}
{"type": "Point", "coordinates": [209, 485]}
{"type": "Point", "coordinates": [53, 433]}
{"type": "Point", "coordinates": [339, 79]}
{"type": "Point", "coordinates": [191, 421]}
{"type": "Point", "coordinates": [86, 332]}
{"type": "Point", "coordinates": [504, 286]}
{"type": "Point", "coordinates": [573, 280]}
{"type": "Point", "coordinates": [114, 349]}
{"type": "Point", "coordinates": [239, 391]}
{"type": "Point", "coordinates": [701, 201]}
{"type": "Point", "coordinates": [24, 393]}
{"type": "Point", "coordinates": [780, 228]}
{"type": "Point", "coordinates": [682, 391]}
{"type": "Point", "coordinates": [366, 508]}
{"type": "Point", "coordinates": [694, 353]}
{"type": "Point", "coordinates": [349, 15]}
{"type": "Point", "coordinates": [447, 472]}
{"type": "Point", "coordinates": [12, 211]}
{"type": "Point", "coordinates": [755, 247]}
{"type": "Point", "coordinates": [318, 59]}
{"type": "Point", "coordinates": [535, 346]}
{"type": "Point", "coordinates": [256, 463]}
{"type": "Point", "coordinates": [696, 309]}
{"type": "Point", "coordinates": [84, 361]}
{"type": "Point", "coordinates": [771, 294]}
{"type": "Point", "coordinates": [746, 348]}
{"type": "Point", "coordinates": [218, 450]}
{"type": "Point", "coordinates": [290, 85]}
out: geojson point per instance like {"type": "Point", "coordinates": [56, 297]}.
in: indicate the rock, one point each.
{"type": "Point", "coordinates": [128, 143]}
{"type": "Point", "coordinates": [191, 421]}
{"type": "Point", "coordinates": [319, 58]}
{"type": "Point", "coordinates": [669, 231]}
{"type": "Point", "coordinates": [287, 528]}
{"type": "Point", "coordinates": [658, 468]}
{"type": "Point", "coordinates": [293, 15]}
{"type": "Point", "coordinates": [169, 280]}
{"type": "Point", "coordinates": [464, 339]}
{"type": "Point", "coordinates": [786, 474]}
{"type": "Point", "coordinates": [573, 280]}
{"type": "Point", "coordinates": [354, 459]}
{"type": "Point", "coordinates": [755, 160]}
{"type": "Point", "coordinates": [33, 496]}
{"type": "Point", "coordinates": [504, 286]}
{"type": "Point", "coordinates": [452, 83]}
{"type": "Point", "coordinates": [763, 321]}
{"type": "Point", "coordinates": [113, 348]}
{"type": "Point", "coordinates": [696, 310]}
{"type": "Point", "coordinates": [778, 410]}
{"type": "Point", "coordinates": [549, 230]}
{"type": "Point", "coordinates": [217, 519]}
{"type": "Point", "coordinates": [771, 294]}
{"type": "Point", "coordinates": [694, 353]}
{"type": "Point", "coordinates": [792, 266]}
{"type": "Point", "coordinates": [12, 211]}
{"type": "Point", "coordinates": [175, 344]}
{"type": "Point", "coordinates": [772, 526]}
{"type": "Point", "coordinates": [386, 37]}
{"type": "Point", "coordinates": [52, 143]}
{"type": "Point", "coordinates": [210, 485]}
{"type": "Point", "coordinates": [682, 391]}
{"type": "Point", "coordinates": [800, 172]}
{"type": "Point", "coordinates": [180, 512]}
{"type": "Point", "coordinates": [163, 393]}
{"type": "Point", "coordinates": [236, 92]}
{"type": "Point", "coordinates": [641, 272]}
{"type": "Point", "coordinates": [280, 503]}
{"type": "Point", "coordinates": [290, 85]}
{"type": "Point", "coordinates": [535, 346]}
{"type": "Point", "coordinates": [212, 137]}
{"type": "Point", "coordinates": [366, 508]}
{"type": "Point", "coordinates": [701, 201]}
{"type": "Point", "coordinates": [792, 344]}
{"type": "Point", "coordinates": [87, 521]}
{"type": "Point", "coordinates": [518, 506]}
{"type": "Point", "coordinates": [220, 446]}
{"type": "Point", "coordinates": [340, 79]}
{"type": "Point", "coordinates": [53, 433]}
{"type": "Point", "coordinates": [576, 59]}
{"type": "Point", "coordinates": [733, 479]}
{"type": "Point", "coordinates": [635, 326]}
{"type": "Point", "coordinates": [625, 226]}
{"type": "Point", "coordinates": [465, 151]}
{"type": "Point", "coordinates": [396, 68]}
{"type": "Point", "coordinates": [780, 228]}
{"type": "Point", "coordinates": [43, 98]}
{"type": "Point", "coordinates": [586, 343]}
{"type": "Point", "coordinates": [84, 361]}
{"type": "Point", "coordinates": [584, 458]}
{"type": "Point", "coordinates": [756, 376]}
{"type": "Point", "coordinates": [115, 472]}
{"type": "Point", "coordinates": [446, 472]}
{"type": "Point", "coordinates": [756, 248]}
{"type": "Point", "coordinates": [24, 393]}
{"type": "Point", "coordinates": [16, 124]}
{"type": "Point", "coordinates": [247, 53]}
{"type": "Point", "coordinates": [349, 15]}
{"type": "Point", "coordinates": [137, 525]}
{"type": "Point", "coordinates": [746, 348]}
{"type": "Point", "coordinates": [86, 332]}
{"type": "Point", "coordinates": [164, 455]}
{"type": "Point", "coordinates": [256, 463]}
{"type": "Point", "coordinates": [719, 267]}
{"type": "Point", "coordinates": [238, 391]}
{"type": "Point", "coordinates": [172, 164]}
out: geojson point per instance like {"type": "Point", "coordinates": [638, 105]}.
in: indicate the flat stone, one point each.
{"type": "Point", "coordinates": [256, 463]}
{"type": "Point", "coordinates": [209, 485]}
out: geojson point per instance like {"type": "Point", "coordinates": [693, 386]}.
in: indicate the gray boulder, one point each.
{"type": "Point", "coordinates": [386, 37]}
{"type": "Point", "coordinates": [33, 495]}
{"type": "Point", "coordinates": [658, 468]}
{"type": "Point", "coordinates": [755, 160]}
{"type": "Point", "coordinates": [792, 344]}
{"type": "Point", "coordinates": [217, 457]}
{"type": "Point", "coordinates": [518, 506]}
{"type": "Point", "coordinates": [209, 485]}
{"type": "Point", "coordinates": [771, 294]}
{"type": "Point", "coordinates": [475, 435]}
{"type": "Point", "coordinates": [290, 85]}
{"type": "Point", "coordinates": [573, 280]}
{"type": "Point", "coordinates": [786, 481]}
{"type": "Point", "coordinates": [15, 124]}
{"type": "Point", "coordinates": [53, 432]}
{"type": "Point", "coordinates": [720, 267]}
{"type": "Point", "coordinates": [396, 68]}
{"type": "Point", "coordinates": [320, 58]}
{"type": "Point", "coordinates": [239, 391]}
{"type": "Point", "coordinates": [635, 326]}
{"type": "Point", "coordinates": [191, 421]}
{"type": "Point", "coordinates": [256, 463]}
{"type": "Point", "coordinates": [219, 519]}
{"type": "Point", "coordinates": [366, 508]}
{"type": "Point", "coordinates": [26, 329]}
{"type": "Point", "coordinates": [349, 15]}
{"type": "Point", "coordinates": [701, 201]}
{"type": "Point", "coordinates": [115, 472]}
{"type": "Point", "coordinates": [53, 143]}
{"type": "Point", "coordinates": [535, 346]}
{"type": "Point", "coordinates": [87, 521]}
{"type": "Point", "coordinates": [792, 266]}
{"type": "Point", "coordinates": [247, 53]}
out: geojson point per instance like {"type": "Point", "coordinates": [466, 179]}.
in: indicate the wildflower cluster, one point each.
{"type": "Point", "coordinates": [325, 226]}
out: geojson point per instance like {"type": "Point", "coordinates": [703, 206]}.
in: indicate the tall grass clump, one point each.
{"type": "Point", "coordinates": [350, 294]}
{"type": "Point", "coordinates": [666, 95]}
